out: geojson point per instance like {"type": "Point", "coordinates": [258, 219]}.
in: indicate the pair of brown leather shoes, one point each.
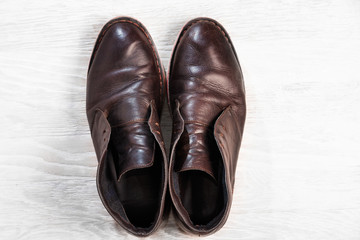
{"type": "Point", "coordinates": [125, 90]}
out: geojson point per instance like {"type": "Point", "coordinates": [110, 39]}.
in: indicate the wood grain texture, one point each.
{"type": "Point", "coordinates": [298, 175]}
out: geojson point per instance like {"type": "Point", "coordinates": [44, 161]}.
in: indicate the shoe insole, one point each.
{"type": "Point", "coordinates": [138, 191]}
{"type": "Point", "coordinates": [201, 196]}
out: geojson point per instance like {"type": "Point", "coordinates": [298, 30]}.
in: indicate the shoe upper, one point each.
{"type": "Point", "coordinates": [207, 100]}
{"type": "Point", "coordinates": [123, 101]}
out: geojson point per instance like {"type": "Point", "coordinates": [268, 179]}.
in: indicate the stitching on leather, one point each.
{"type": "Point", "coordinates": [201, 20]}
{"type": "Point", "coordinates": [204, 20]}
{"type": "Point", "coordinates": [147, 36]}
{"type": "Point", "coordinates": [223, 33]}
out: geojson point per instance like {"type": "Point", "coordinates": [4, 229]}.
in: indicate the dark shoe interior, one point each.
{"type": "Point", "coordinates": [138, 193]}
{"type": "Point", "coordinates": [201, 195]}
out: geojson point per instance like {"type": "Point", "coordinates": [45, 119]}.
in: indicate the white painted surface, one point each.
{"type": "Point", "coordinates": [298, 175]}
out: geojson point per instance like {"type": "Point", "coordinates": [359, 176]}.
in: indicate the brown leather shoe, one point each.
{"type": "Point", "coordinates": [207, 101]}
{"type": "Point", "coordinates": [124, 98]}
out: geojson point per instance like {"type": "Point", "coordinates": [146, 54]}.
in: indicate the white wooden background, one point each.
{"type": "Point", "coordinates": [298, 174]}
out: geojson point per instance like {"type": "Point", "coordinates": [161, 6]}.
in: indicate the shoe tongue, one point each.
{"type": "Point", "coordinates": [131, 138]}
{"type": "Point", "coordinates": [134, 146]}
{"type": "Point", "coordinates": [195, 148]}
